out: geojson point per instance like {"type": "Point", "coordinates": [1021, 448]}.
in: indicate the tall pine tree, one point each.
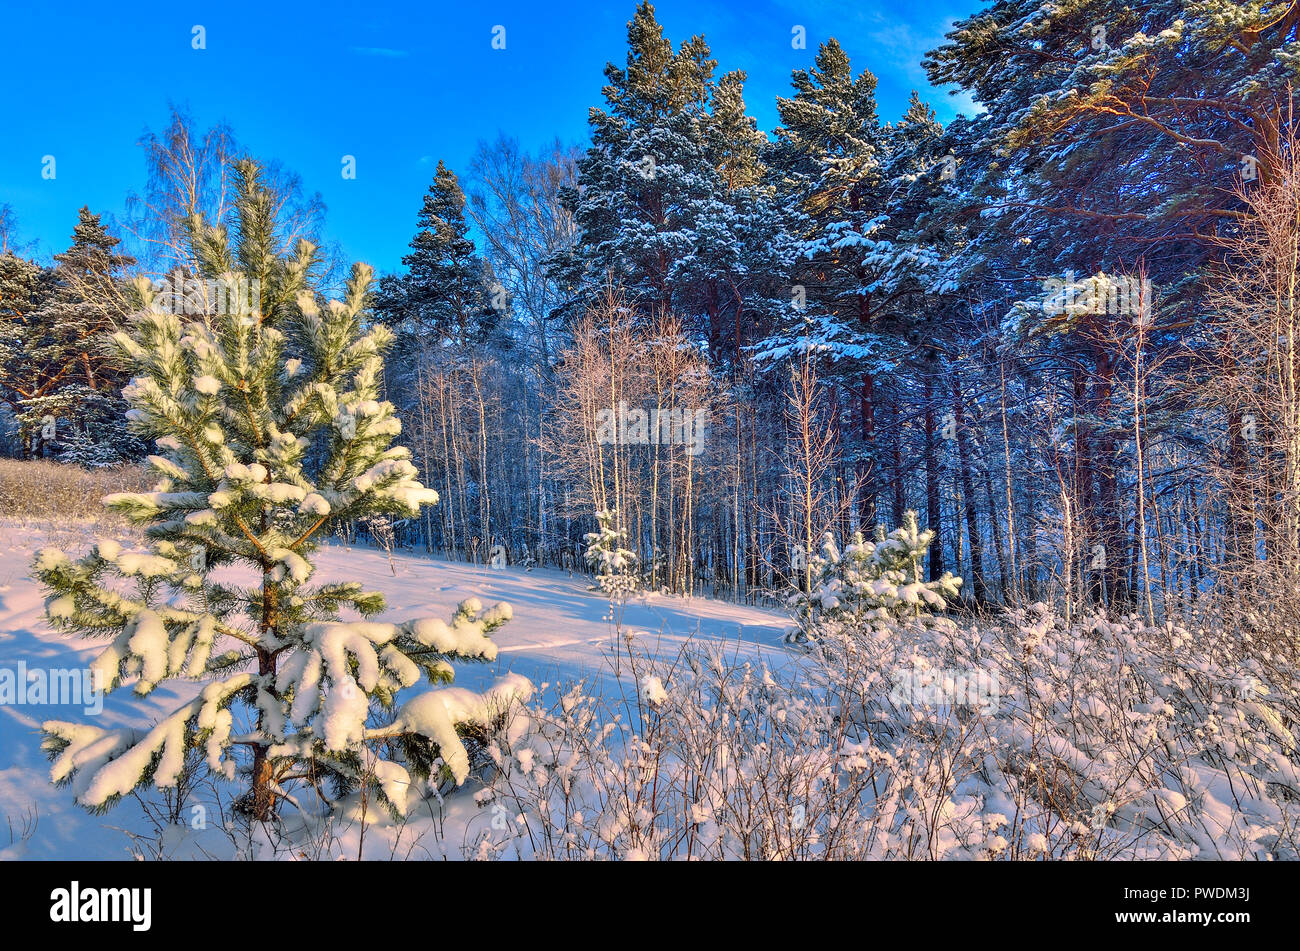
{"type": "Point", "coordinates": [442, 297]}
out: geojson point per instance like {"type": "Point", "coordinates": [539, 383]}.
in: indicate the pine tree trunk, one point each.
{"type": "Point", "coordinates": [933, 511]}
{"type": "Point", "coordinates": [263, 801]}
{"type": "Point", "coordinates": [1106, 514]}
{"type": "Point", "coordinates": [995, 525]}
{"type": "Point", "coordinates": [969, 498]}
{"type": "Point", "coordinates": [866, 467]}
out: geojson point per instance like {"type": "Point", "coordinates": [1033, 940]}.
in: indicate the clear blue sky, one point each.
{"type": "Point", "coordinates": [398, 85]}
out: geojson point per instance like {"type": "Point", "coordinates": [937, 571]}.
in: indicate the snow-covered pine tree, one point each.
{"type": "Point", "coordinates": [736, 273]}
{"type": "Point", "coordinates": [442, 297]}
{"type": "Point", "coordinates": [270, 433]}
{"type": "Point", "coordinates": [1204, 90]}
{"type": "Point", "coordinates": [614, 565]}
{"type": "Point", "coordinates": [850, 288]}
{"type": "Point", "coordinates": [827, 161]}
{"type": "Point", "coordinates": [647, 178]}
{"type": "Point", "coordinates": [86, 303]}
{"type": "Point", "coordinates": [29, 363]}
{"type": "Point", "coordinates": [872, 583]}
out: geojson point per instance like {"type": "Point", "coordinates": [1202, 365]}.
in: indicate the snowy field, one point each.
{"type": "Point", "coordinates": [561, 632]}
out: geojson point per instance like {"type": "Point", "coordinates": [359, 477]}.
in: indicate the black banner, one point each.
{"type": "Point", "coordinates": [175, 901]}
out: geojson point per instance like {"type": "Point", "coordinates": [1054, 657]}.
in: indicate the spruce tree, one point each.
{"type": "Point", "coordinates": [89, 302]}
{"type": "Point", "coordinates": [442, 296]}
{"type": "Point", "coordinates": [270, 434]}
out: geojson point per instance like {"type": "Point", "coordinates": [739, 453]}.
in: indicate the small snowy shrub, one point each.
{"type": "Point", "coordinates": [873, 584]}
{"type": "Point", "coordinates": [614, 565]}
{"type": "Point", "coordinates": [270, 433]}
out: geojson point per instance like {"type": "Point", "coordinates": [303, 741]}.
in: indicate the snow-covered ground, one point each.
{"type": "Point", "coordinates": [1023, 736]}
{"type": "Point", "coordinates": [561, 632]}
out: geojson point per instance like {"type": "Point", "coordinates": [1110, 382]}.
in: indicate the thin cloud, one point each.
{"type": "Point", "coordinates": [380, 51]}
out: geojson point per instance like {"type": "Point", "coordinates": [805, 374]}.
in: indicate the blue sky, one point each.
{"type": "Point", "coordinates": [397, 85]}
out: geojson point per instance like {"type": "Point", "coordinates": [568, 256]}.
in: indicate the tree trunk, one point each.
{"type": "Point", "coordinates": [933, 512]}
{"type": "Point", "coordinates": [969, 498]}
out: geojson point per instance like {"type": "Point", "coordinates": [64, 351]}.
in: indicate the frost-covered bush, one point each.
{"type": "Point", "coordinates": [270, 433]}
{"type": "Point", "coordinates": [1026, 738]}
{"type": "Point", "coordinates": [871, 583]}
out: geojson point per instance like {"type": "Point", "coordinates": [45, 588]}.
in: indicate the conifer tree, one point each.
{"type": "Point", "coordinates": [646, 176]}
{"type": "Point", "coordinates": [854, 283]}
{"type": "Point", "coordinates": [672, 197]}
{"type": "Point", "coordinates": [270, 433]}
{"type": "Point", "coordinates": [827, 158]}
{"type": "Point", "coordinates": [615, 566]}
{"type": "Point", "coordinates": [61, 379]}
{"type": "Point", "coordinates": [31, 363]}
{"type": "Point", "coordinates": [1114, 139]}
{"type": "Point", "coordinates": [442, 296]}
{"type": "Point", "coordinates": [872, 583]}
{"type": "Point", "coordinates": [89, 300]}
{"type": "Point", "coordinates": [737, 271]}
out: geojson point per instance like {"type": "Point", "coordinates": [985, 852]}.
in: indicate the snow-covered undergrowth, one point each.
{"type": "Point", "coordinates": [1026, 738]}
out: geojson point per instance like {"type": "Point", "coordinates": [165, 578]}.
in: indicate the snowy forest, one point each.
{"type": "Point", "coordinates": [992, 426]}
{"type": "Point", "coordinates": [1037, 327]}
